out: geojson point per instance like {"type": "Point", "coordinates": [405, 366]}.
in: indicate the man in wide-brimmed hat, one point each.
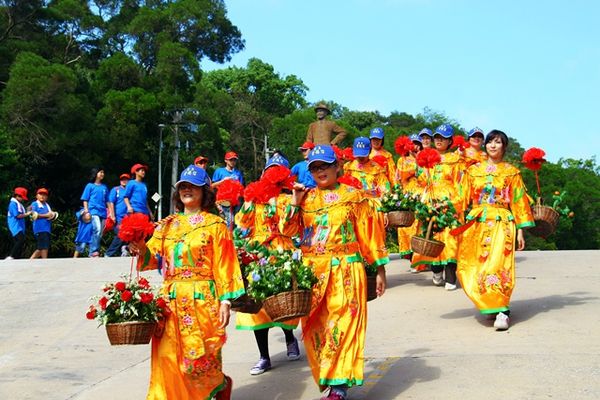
{"type": "Point", "coordinates": [322, 130]}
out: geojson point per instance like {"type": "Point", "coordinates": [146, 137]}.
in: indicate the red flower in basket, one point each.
{"type": "Point", "coordinates": [534, 158]}
{"type": "Point", "coordinates": [381, 160]}
{"type": "Point", "coordinates": [403, 145]}
{"type": "Point", "coordinates": [349, 180]}
{"type": "Point", "coordinates": [229, 192]}
{"type": "Point", "coordinates": [428, 158]}
{"type": "Point", "coordinates": [460, 143]}
{"type": "Point", "coordinates": [135, 228]}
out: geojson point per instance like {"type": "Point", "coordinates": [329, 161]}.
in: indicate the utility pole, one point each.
{"type": "Point", "coordinates": [175, 166]}
{"type": "Point", "coordinates": [160, 149]}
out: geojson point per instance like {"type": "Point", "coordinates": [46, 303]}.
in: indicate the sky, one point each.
{"type": "Point", "coordinates": [529, 68]}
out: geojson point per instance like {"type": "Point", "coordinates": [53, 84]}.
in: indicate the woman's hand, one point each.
{"type": "Point", "coordinates": [137, 248]}
{"type": "Point", "coordinates": [381, 281]}
{"type": "Point", "coordinates": [224, 314]}
{"type": "Point", "coordinates": [520, 239]}
{"type": "Point", "coordinates": [386, 220]}
{"type": "Point", "coordinates": [298, 193]}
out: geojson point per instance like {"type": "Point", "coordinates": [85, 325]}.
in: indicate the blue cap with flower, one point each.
{"type": "Point", "coordinates": [474, 131]}
{"type": "Point", "coordinates": [425, 131]}
{"type": "Point", "coordinates": [277, 159]}
{"type": "Point", "coordinates": [192, 174]}
{"type": "Point", "coordinates": [445, 130]}
{"type": "Point", "coordinates": [376, 133]}
{"type": "Point", "coordinates": [361, 147]}
{"type": "Point", "coordinates": [322, 152]}
{"type": "Point", "coordinates": [416, 138]}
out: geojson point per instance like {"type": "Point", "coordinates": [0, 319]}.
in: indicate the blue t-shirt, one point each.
{"type": "Point", "coordinates": [41, 224]}
{"type": "Point", "coordinates": [15, 225]}
{"type": "Point", "coordinates": [117, 197]}
{"type": "Point", "coordinates": [223, 172]}
{"type": "Point", "coordinates": [304, 176]}
{"type": "Point", "coordinates": [97, 197]}
{"type": "Point", "coordinates": [137, 193]}
{"type": "Point", "coordinates": [84, 229]}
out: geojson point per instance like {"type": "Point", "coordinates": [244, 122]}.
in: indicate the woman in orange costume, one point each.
{"type": "Point", "coordinates": [194, 252]}
{"type": "Point", "coordinates": [340, 230]}
{"type": "Point", "coordinates": [500, 211]}
{"type": "Point", "coordinates": [371, 175]}
{"type": "Point", "coordinates": [377, 141]}
{"type": "Point", "coordinates": [406, 175]}
{"type": "Point", "coordinates": [438, 183]}
{"type": "Point", "coordinates": [261, 220]}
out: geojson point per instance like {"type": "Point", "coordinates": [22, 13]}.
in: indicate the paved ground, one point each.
{"type": "Point", "coordinates": [422, 342]}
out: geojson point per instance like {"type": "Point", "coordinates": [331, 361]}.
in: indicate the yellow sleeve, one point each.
{"type": "Point", "coordinates": [226, 268]}
{"type": "Point", "coordinates": [391, 171]}
{"type": "Point", "coordinates": [152, 257]}
{"type": "Point", "coordinates": [519, 203]}
{"type": "Point", "coordinates": [290, 223]}
{"type": "Point", "coordinates": [370, 232]}
{"type": "Point", "coordinates": [245, 216]}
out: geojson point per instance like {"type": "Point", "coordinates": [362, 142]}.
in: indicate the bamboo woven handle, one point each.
{"type": "Point", "coordinates": [429, 227]}
{"type": "Point", "coordinates": [294, 282]}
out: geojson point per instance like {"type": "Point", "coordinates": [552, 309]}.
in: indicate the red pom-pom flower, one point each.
{"type": "Point", "coordinates": [381, 160]}
{"type": "Point", "coordinates": [534, 158]}
{"type": "Point", "coordinates": [135, 227]}
{"type": "Point", "coordinates": [403, 145]}
{"type": "Point", "coordinates": [347, 154]}
{"type": "Point", "coordinates": [460, 143]}
{"type": "Point", "coordinates": [280, 176]}
{"type": "Point", "coordinates": [260, 192]}
{"type": "Point", "coordinates": [349, 180]}
{"type": "Point", "coordinates": [428, 158]}
{"type": "Point", "coordinates": [339, 153]}
{"type": "Point", "coordinates": [229, 192]}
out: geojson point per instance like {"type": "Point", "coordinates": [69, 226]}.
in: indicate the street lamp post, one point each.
{"type": "Point", "coordinates": [177, 117]}
{"type": "Point", "coordinates": [160, 148]}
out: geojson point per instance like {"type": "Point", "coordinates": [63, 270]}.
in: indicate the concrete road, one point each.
{"type": "Point", "coordinates": [422, 342]}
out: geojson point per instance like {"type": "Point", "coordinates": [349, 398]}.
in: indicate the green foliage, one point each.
{"type": "Point", "coordinates": [274, 271]}
{"type": "Point", "coordinates": [442, 213]}
{"type": "Point", "coordinates": [398, 200]}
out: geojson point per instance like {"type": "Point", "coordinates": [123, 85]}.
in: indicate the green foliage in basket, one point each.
{"type": "Point", "coordinates": [272, 273]}
{"type": "Point", "coordinates": [557, 204]}
{"type": "Point", "coordinates": [397, 200]}
{"type": "Point", "coordinates": [127, 300]}
{"type": "Point", "coordinates": [442, 212]}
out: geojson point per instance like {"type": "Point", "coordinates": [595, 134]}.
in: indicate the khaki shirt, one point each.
{"type": "Point", "coordinates": [321, 131]}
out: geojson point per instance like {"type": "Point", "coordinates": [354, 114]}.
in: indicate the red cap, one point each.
{"type": "Point", "coordinates": [124, 176]}
{"type": "Point", "coordinates": [231, 154]}
{"type": "Point", "coordinates": [42, 191]}
{"type": "Point", "coordinates": [307, 146]}
{"type": "Point", "coordinates": [200, 158]}
{"type": "Point", "coordinates": [21, 191]}
{"type": "Point", "coordinates": [138, 166]}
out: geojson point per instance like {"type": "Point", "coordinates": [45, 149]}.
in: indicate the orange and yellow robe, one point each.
{"type": "Point", "coordinates": [196, 256]}
{"type": "Point", "coordinates": [486, 258]}
{"type": "Point", "coordinates": [472, 156]}
{"type": "Point", "coordinates": [438, 183]}
{"type": "Point", "coordinates": [390, 167]}
{"type": "Point", "coordinates": [406, 170]}
{"type": "Point", "coordinates": [371, 175]}
{"type": "Point", "coordinates": [340, 230]}
{"type": "Point", "coordinates": [262, 222]}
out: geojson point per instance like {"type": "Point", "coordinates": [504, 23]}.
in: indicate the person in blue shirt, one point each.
{"type": "Point", "coordinates": [85, 231]}
{"type": "Point", "coordinates": [95, 202]}
{"type": "Point", "coordinates": [118, 209]}
{"type": "Point", "coordinates": [42, 224]}
{"type": "Point", "coordinates": [221, 175]}
{"type": "Point", "coordinates": [16, 221]}
{"type": "Point", "coordinates": [136, 192]}
{"type": "Point", "coordinates": [301, 169]}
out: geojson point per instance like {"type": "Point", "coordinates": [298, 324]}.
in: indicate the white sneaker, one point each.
{"type": "Point", "coordinates": [9, 258]}
{"type": "Point", "coordinates": [413, 270]}
{"type": "Point", "coordinates": [450, 286]}
{"type": "Point", "coordinates": [502, 322]}
{"type": "Point", "coordinates": [438, 278]}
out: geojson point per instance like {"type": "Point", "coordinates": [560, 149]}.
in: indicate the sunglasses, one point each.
{"type": "Point", "coordinates": [319, 168]}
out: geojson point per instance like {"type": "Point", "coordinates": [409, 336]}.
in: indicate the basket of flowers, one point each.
{"type": "Point", "coordinates": [545, 217]}
{"type": "Point", "coordinates": [283, 282]}
{"type": "Point", "coordinates": [130, 309]}
{"type": "Point", "coordinates": [371, 271]}
{"type": "Point", "coordinates": [434, 217]}
{"type": "Point", "coordinates": [247, 253]}
{"type": "Point", "coordinates": [399, 206]}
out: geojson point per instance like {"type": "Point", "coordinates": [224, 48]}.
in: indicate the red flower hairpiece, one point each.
{"type": "Point", "coordinates": [349, 180]}
{"type": "Point", "coordinates": [229, 192]}
{"type": "Point", "coordinates": [534, 158]}
{"type": "Point", "coordinates": [135, 227]}
{"type": "Point", "coordinates": [428, 158]}
{"type": "Point", "coordinates": [460, 143]}
{"type": "Point", "coordinates": [381, 160]}
{"type": "Point", "coordinates": [403, 145]}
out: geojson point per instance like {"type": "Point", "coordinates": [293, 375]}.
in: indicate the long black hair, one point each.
{"type": "Point", "coordinates": [495, 133]}
{"type": "Point", "coordinates": [94, 172]}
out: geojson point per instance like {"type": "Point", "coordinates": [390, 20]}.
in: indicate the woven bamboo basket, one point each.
{"type": "Point", "coordinates": [288, 305]}
{"type": "Point", "coordinates": [132, 332]}
{"type": "Point", "coordinates": [371, 287]}
{"type": "Point", "coordinates": [397, 219]}
{"type": "Point", "coordinates": [425, 246]}
{"type": "Point", "coordinates": [546, 219]}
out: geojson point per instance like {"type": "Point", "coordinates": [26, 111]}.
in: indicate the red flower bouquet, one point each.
{"type": "Point", "coordinates": [229, 193]}
{"type": "Point", "coordinates": [349, 180]}
{"type": "Point", "coordinates": [460, 143]}
{"type": "Point", "coordinates": [280, 176]}
{"type": "Point", "coordinates": [534, 158]}
{"type": "Point", "coordinates": [381, 160]}
{"type": "Point", "coordinates": [135, 228]}
{"type": "Point", "coordinates": [428, 158]}
{"type": "Point", "coordinates": [403, 145]}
